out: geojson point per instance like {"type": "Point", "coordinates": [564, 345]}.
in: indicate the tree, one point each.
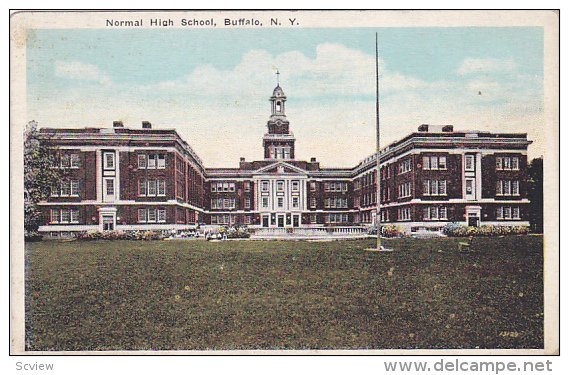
{"type": "Point", "coordinates": [535, 194]}
{"type": "Point", "coordinates": [39, 176]}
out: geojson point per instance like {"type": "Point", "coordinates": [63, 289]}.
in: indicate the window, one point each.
{"type": "Point", "coordinates": [247, 204]}
{"type": "Point", "coordinates": [507, 212]}
{"type": "Point", "coordinates": [65, 161]}
{"type": "Point", "coordinates": [161, 161]}
{"type": "Point", "coordinates": [312, 202]}
{"type": "Point", "coordinates": [142, 215]}
{"type": "Point", "coordinates": [265, 202]}
{"type": "Point", "coordinates": [74, 188]}
{"type": "Point", "coordinates": [434, 162]}
{"type": "Point", "coordinates": [65, 188]}
{"type": "Point", "coordinates": [65, 216]}
{"type": "Point", "coordinates": [280, 185]}
{"type": "Point", "coordinates": [152, 187]}
{"type": "Point", "coordinates": [141, 161]}
{"type": "Point", "coordinates": [161, 187]}
{"type": "Point", "coordinates": [515, 212]}
{"type": "Point", "coordinates": [142, 188]}
{"type": "Point", "coordinates": [515, 188]}
{"type": "Point", "coordinates": [469, 186]}
{"type": "Point", "coordinates": [213, 188]}
{"type": "Point", "coordinates": [507, 187]}
{"type": "Point", "coordinates": [54, 215]}
{"type": "Point", "coordinates": [312, 186]}
{"type": "Point", "coordinates": [246, 219]}
{"type": "Point", "coordinates": [499, 163]}
{"type": "Point", "coordinates": [280, 202]}
{"type": "Point", "coordinates": [469, 162]}
{"type": "Point", "coordinates": [405, 166]}
{"type": "Point", "coordinates": [109, 160]}
{"type": "Point", "coordinates": [313, 219]}
{"type": "Point", "coordinates": [225, 187]}
{"type": "Point", "coordinates": [295, 186]}
{"type": "Point", "coordinates": [442, 187]}
{"type": "Point", "coordinates": [151, 161]}
{"type": "Point", "coordinates": [326, 186]}
{"type": "Point", "coordinates": [110, 185]}
{"type": "Point", "coordinates": [404, 190]}
{"type": "Point", "coordinates": [232, 186]}
{"type": "Point", "coordinates": [404, 214]}
{"type": "Point", "coordinates": [151, 215]}
{"type": "Point", "coordinates": [161, 215]}
{"type": "Point", "coordinates": [74, 215]}
{"type": "Point", "coordinates": [515, 163]}
{"type": "Point", "coordinates": [442, 162]}
{"type": "Point", "coordinates": [265, 186]}
{"type": "Point", "coordinates": [295, 202]}
{"type": "Point", "coordinates": [434, 187]}
{"type": "Point", "coordinates": [75, 163]}
{"type": "Point", "coordinates": [247, 186]}
{"type": "Point", "coordinates": [443, 213]}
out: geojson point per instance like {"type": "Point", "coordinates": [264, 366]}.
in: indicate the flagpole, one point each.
{"type": "Point", "coordinates": [379, 246]}
{"type": "Point", "coordinates": [377, 145]}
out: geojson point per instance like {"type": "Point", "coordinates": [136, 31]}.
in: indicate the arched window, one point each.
{"type": "Point", "coordinates": [278, 106]}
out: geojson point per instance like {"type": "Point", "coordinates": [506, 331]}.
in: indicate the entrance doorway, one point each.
{"type": "Point", "coordinates": [108, 222]}
{"type": "Point", "coordinates": [473, 216]}
{"type": "Point", "coordinates": [295, 220]}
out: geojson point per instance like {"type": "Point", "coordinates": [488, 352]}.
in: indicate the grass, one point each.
{"type": "Point", "coordinates": [175, 295]}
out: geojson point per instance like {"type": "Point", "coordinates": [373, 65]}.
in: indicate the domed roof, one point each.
{"type": "Point", "coordinates": [278, 92]}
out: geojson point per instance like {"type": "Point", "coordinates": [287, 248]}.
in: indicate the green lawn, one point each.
{"type": "Point", "coordinates": [284, 295]}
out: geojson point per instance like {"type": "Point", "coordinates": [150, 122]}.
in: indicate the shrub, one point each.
{"type": "Point", "coordinates": [120, 235]}
{"type": "Point", "coordinates": [237, 232]}
{"type": "Point", "coordinates": [386, 231]}
{"type": "Point", "coordinates": [32, 236]}
{"type": "Point", "coordinates": [460, 230]}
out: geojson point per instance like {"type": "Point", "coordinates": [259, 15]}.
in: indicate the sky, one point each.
{"type": "Point", "coordinates": [213, 85]}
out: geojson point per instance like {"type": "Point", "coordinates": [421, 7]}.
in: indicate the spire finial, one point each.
{"type": "Point", "coordinates": [278, 74]}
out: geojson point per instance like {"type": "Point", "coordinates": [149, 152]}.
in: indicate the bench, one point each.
{"type": "Point", "coordinates": [464, 246]}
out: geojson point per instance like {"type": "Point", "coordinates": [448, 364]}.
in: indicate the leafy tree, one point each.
{"type": "Point", "coordinates": [39, 176]}
{"type": "Point", "coordinates": [535, 194]}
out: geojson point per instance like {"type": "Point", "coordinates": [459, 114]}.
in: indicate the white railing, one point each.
{"type": "Point", "coordinates": [311, 232]}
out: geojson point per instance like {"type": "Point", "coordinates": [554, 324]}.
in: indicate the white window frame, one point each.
{"type": "Point", "coordinates": [160, 188]}
{"type": "Point", "coordinates": [74, 187]}
{"type": "Point", "coordinates": [109, 157]}
{"type": "Point", "coordinates": [142, 161]}
{"type": "Point", "coordinates": [75, 161]}
{"type": "Point", "coordinates": [151, 215]}
{"type": "Point", "coordinates": [152, 161]}
{"type": "Point", "coordinates": [469, 163]}
{"type": "Point", "coordinates": [161, 161]}
{"type": "Point", "coordinates": [161, 215]}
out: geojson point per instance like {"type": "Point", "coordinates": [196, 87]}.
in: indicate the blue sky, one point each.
{"type": "Point", "coordinates": [213, 84]}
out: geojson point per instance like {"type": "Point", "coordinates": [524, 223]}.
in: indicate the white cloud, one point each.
{"type": "Point", "coordinates": [80, 71]}
{"type": "Point", "coordinates": [222, 113]}
{"type": "Point", "coordinates": [471, 66]}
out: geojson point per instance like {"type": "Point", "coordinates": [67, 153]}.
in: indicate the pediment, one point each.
{"type": "Point", "coordinates": [280, 168]}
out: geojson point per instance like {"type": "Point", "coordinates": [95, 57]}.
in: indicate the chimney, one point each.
{"type": "Point", "coordinates": [448, 129]}
{"type": "Point", "coordinates": [146, 125]}
{"type": "Point", "coordinates": [423, 128]}
{"type": "Point", "coordinates": [241, 159]}
{"type": "Point", "coordinates": [118, 124]}
{"type": "Point", "coordinates": [313, 160]}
